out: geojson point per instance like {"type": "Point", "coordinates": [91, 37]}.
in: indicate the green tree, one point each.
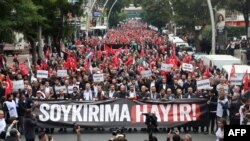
{"type": "Point", "coordinates": [17, 16]}
{"type": "Point", "coordinates": [156, 12]}
{"type": "Point", "coordinates": [190, 14]}
{"type": "Point", "coordinates": [116, 13]}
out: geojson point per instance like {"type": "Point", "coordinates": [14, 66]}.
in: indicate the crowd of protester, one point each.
{"type": "Point", "coordinates": [121, 55]}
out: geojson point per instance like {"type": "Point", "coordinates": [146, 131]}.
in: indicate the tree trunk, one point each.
{"type": "Point", "coordinates": [245, 11]}
{"type": "Point", "coordinates": [33, 49]}
{"type": "Point", "coordinates": [40, 45]}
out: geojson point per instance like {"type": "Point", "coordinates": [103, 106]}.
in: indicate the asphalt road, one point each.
{"type": "Point", "coordinates": [134, 136]}
{"type": "Point", "coordinates": [129, 136]}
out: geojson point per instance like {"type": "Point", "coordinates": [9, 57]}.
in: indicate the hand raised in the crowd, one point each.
{"type": "Point", "coordinates": [208, 102]}
{"type": "Point", "coordinates": [14, 122]}
{"type": "Point", "coordinates": [78, 129]}
{"type": "Point", "coordinates": [177, 132]}
{"type": "Point", "coordinates": [169, 134]}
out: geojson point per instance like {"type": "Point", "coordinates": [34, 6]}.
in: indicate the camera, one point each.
{"type": "Point", "coordinates": [118, 132]}
{"type": "Point", "coordinates": [119, 135]}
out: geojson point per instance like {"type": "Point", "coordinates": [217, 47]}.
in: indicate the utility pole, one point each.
{"type": "Point", "coordinates": [110, 11]}
{"type": "Point", "coordinates": [213, 25]}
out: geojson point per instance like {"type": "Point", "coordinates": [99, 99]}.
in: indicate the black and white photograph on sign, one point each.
{"type": "Point", "coordinates": [62, 73]}
{"type": "Point", "coordinates": [98, 77]}
{"type": "Point", "coordinates": [166, 67]}
{"type": "Point", "coordinates": [42, 74]}
{"type": "Point", "coordinates": [146, 73]}
{"type": "Point", "coordinates": [187, 67]}
{"type": "Point", "coordinates": [203, 84]}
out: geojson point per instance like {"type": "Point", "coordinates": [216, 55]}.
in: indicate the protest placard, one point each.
{"type": "Point", "coordinates": [146, 73]}
{"type": "Point", "coordinates": [42, 74]}
{"type": "Point", "coordinates": [187, 67]}
{"type": "Point", "coordinates": [98, 77]}
{"type": "Point", "coordinates": [166, 67]}
{"type": "Point", "coordinates": [62, 73]}
{"type": "Point", "coordinates": [18, 85]}
{"type": "Point", "coordinates": [203, 84]}
{"type": "Point", "coordinates": [235, 81]}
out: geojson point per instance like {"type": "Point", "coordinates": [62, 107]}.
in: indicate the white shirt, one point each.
{"type": "Point", "coordinates": [11, 108]}
{"type": "Point", "coordinates": [88, 95]}
{"type": "Point", "coordinates": [132, 94]}
{"type": "Point", "coordinates": [219, 111]}
{"type": "Point", "coordinates": [241, 114]}
{"type": "Point", "coordinates": [2, 125]}
{"type": "Point", "coordinates": [111, 94]}
{"type": "Point", "coordinates": [219, 134]}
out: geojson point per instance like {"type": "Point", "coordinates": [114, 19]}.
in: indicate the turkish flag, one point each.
{"type": "Point", "coordinates": [108, 49]}
{"type": "Point", "coordinates": [43, 65]}
{"type": "Point", "coordinates": [142, 52]}
{"type": "Point", "coordinates": [86, 65]}
{"type": "Point", "coordinates": [245, 81]}
{"type": "Point", "coordinates": [47, 54]}
{"type": "Point", "coordinates": [115, 61]}
{"type": "Point", "coordinates": [232, 73]}
{"type": "Point", "coordinates": [207, 72]}
{"type": "Point", "coordinates": [23, 69]}
{"type": "Point", "coordinates": [9, 86]}
{"type": "Point", "coordinates": [187, 59]}
{"type": "Point", "coordinates": [99, 54]}
{"type": "Point", "coordinates": [140, 68]}
{"type": "Point", "coordinates": [129, 61]}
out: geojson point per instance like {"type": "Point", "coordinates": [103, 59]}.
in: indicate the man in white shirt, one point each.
{"type": "Point", "coordinates": [222, 106]}
{"type": "Point", "coordinates": [87, 93]}
{"type": "Point", "coordinates": [2, 125]}
{"type": "Point", "coordinates": [132, 92]}
{"type": "Point", "coordinates": [111, 93]}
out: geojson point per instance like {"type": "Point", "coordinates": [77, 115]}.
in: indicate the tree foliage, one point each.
{"type": "Point", "coordinates": [190, 13]}
{"type": "Point", "coordinates": [17, 16]}
{"type": "Point", "coordinates": [156, 12]}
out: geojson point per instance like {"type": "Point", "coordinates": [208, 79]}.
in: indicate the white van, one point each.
{"type": "Point", "coordinates": [240, 70]}
{"type": "Point", "coordinates": [220, 60]}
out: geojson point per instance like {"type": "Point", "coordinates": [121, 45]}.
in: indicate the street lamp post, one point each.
{"type": "Point", "coordinates": [89, 12]}
{"type": "Point", "coordinates": [213, 25]}
{"type": "Point", "coordinates": [110, 11]}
